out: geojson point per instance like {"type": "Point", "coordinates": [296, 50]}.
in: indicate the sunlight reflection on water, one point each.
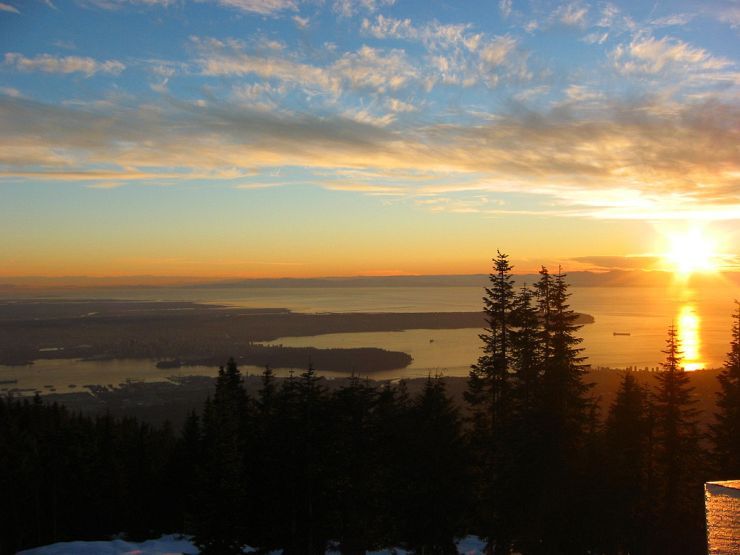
{"type": "Point", "coordinates": [689, 327]}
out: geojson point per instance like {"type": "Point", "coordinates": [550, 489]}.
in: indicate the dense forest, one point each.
{"type": "Point", "coordinates": [528, 463]}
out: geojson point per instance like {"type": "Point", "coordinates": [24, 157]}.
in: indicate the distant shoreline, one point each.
{"type": "Point", "coordinates": [197, 334]}
{"type": "Point", "coordinates": [34, 285]}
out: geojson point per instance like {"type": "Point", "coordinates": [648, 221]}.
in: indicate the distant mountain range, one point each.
{"type": "Point", "coordinates": [613, 278]}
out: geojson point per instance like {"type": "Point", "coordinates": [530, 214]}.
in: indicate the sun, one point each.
{"type": "Point", "coordinates": [692, 251]}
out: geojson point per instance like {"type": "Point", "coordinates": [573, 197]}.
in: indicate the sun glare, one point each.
{"type": "Point", "coordinates": [690, 252]}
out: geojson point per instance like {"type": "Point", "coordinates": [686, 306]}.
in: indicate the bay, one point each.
{"type": "Point", "coordinates": [703, 318]}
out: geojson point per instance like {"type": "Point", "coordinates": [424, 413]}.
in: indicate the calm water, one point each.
{"type": "Point", "coordinates": [703, 319]}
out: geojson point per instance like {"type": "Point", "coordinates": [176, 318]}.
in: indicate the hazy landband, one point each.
{"type": "Point", "coordinates": [193, 333]}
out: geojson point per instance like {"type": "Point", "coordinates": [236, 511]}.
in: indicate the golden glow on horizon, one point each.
{"type": "Point", "coordinates": [691, 251]}
{"type": "Point", "coordinates": [689, 325]}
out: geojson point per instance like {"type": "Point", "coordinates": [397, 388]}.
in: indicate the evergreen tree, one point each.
{"type": "Point", "coordinates": [355, 488]}
{"type": "Point", "coordinates": [305, 441]}
{"type": "Point", "coordinates": [270, 472]}
{"type": "Point", "coordinates": [438, 490]}
{"type": "Point", "coordinates": [494, 365]}
{"type": "Point", "coordinates": [519, 458]}
{"type": "Point", "coordinates": [490, 400]}
{"type": "Point", "coordinates": [626, 506]}
{"type": "Point", "coordinates": [726, 430]}
{"type": "Point", "coordinates": [679, 493]}
{"type": "Point", "coordinates": [526, 352]}
{"type": "Point", "coordinates": [544, 293]}
{"type": "Point", "coordinates": [220, 518]}
{"type": "Point", "coordinates": [563, 420]}
{"type": "Point", "coordinates": [395, 474]}
{"type": "Point", "coordinates": [564, 368]}
{"type": "Point", "coordinates": [189, 459]}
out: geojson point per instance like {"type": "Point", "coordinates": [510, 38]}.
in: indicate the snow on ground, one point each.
{"type": "Point", "coordinates": [166, 545]}
{"type": "Point", "coordinates": [181, 545]}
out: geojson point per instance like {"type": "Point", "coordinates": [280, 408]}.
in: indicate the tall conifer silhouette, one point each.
{"type": "Point", "coordinates": [221, 511]}
{"type": "Point", "coordinates": [678, 485]}
{"type": "Point", "coordinates": [490, 399]}
{"type": "Point", "coordinates": [726, 430]}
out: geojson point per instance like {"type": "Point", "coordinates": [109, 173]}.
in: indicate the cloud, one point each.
{"type": "Point", "coordinates": [263, 7]}
{"type": "Point", "coordinates": [641, 262]}
{"type": "Point", "coordinates": [106, 185]}
{"type": "Point", "coordinates": [368, 68]}
{"type": "Point", "coordinates": [596, 38]}
{"type": "Point", "coordinates": [259, 96]}
{"type": "Point", "coordinates": [260, 185]}
{"type": "Point", "coordinates": [348, 8]}
{"type": "Point", "coordinates": [614, 20]}
{"type": "Point", "coordinates": [532, 92]}
{"type": "Point", "coordinates": [724, 11]}
{"type": "Point", "coordinates": [65, 44]}
{"type": "Point", "coordinates": [673, 20]}
{"type": "Point", "coordinates": [581, 94]}
{"type": "Point", "coordinates": [217, 59]}
{"type": "Point", "coordinates": [118, 4]}
{"type": "Point", "coordinates": [62, 64]}
{"type": "Point", "coordinates": [8, 8]}
{"type": "Point", "coordinates": [455, 53]}
{"type": "Point", "coordinates": [572, 14]}
{"type": "Point", "coordinates": [11, 91]}
{"type": "Point", "coordinates": [505, 7]}
{"type": "Point", "coordinates": [434, 35]}
{"type": "Point", "coordinates": [498, 50]}
{"type": "Point", "coordinates": [627, 162]}
{"type": "Point", "coordinates": [364, 115]}
{"type": "Point", "coordinates": [301, 22]}
{"type": "Point", "coordinates": [395, 105]}
{"type": "Point", "coordinates": [260, 7]}
{"type": "Point", "coordinates": [372, 68]}
{"type": "Point", "coordinates": [648, 55]}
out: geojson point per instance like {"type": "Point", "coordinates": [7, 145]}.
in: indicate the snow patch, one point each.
{"type": "Point", "coordinates": [176, 544]}
{"type": "Point", "coordinates": [166, 545]}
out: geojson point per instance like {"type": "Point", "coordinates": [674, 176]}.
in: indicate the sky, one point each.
{"type": "Point", "coordinates": [272, 138]}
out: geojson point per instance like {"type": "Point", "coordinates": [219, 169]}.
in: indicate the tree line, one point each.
{"type": "Point", "coordinates": [527, 463]}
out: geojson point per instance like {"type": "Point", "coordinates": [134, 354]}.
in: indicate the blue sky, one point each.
{"type": "Point", "coordinates": [288, 137]}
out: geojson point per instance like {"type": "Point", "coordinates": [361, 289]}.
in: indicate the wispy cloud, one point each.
{"type": "Point", "coordinates": [375, 69]}
{"type": "Point", "coordinates": [638, 262]}
{"type": "Point", "coordinates": [62, 64]}
{"type": "Point", "coordinates": [505, 7]}
{"type": "Point", "coordinates": [651, 56]}
{"type": "Point", "coordinates": [106, 185]}
{"type": "Point", "coordinates": [8, 8]}
{"type": "Point", "coordinates": [119, 4]}
{"type": "Point", "coordinates": [456, 54]}
{"type": "Point", "coordinates": [434, 35]}
{"type": "Point", "coordinates": [263, 7]}
{"type": "Point", "coordinates": [349, 8]}
{"type": "Point", "coordinates": [573, 14]}
{"type": "Point", "coordinates": [301, 22]}
{"type": "Point", "coordinates": [623, 166]}
{"type": "Point", "coordinates": [11, 91]}
{"type": "Point", "coordinates": [219, 59]}
{"type": "Point", "coordinates": [673, 20]}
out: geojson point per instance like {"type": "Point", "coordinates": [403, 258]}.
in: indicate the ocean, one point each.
{"type": "Point", "coordinates": [639, 315]}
